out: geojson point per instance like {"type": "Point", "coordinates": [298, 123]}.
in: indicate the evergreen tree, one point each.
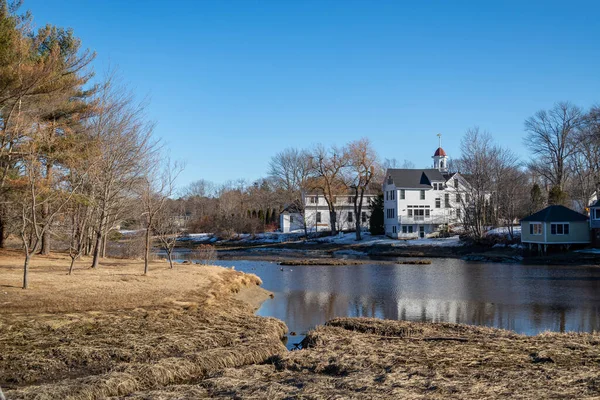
{"type": "Point", "coordinates": [537, 199]}
{"type": "Point", "coordinates": [557, 196]}
{"type": "Point", "coordinates": [376, 221]}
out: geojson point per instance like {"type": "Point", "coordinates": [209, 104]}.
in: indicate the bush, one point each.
{"type": "Point", "coordinates": [206, 254]}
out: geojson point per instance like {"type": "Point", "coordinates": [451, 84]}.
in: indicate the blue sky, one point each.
{"type": "Point", "coordinates": [233, 82]}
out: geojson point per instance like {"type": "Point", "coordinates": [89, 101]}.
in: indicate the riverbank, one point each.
{"type": "Point", "coordinates": [395, 251]}
{"type": "Point", "coordinates": [190, 333]}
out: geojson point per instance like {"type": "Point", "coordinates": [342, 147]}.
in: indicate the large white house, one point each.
{"type": "Point", "coordinates": [317, 218]}
{"type": "Point", "coordinates": [418, 202]}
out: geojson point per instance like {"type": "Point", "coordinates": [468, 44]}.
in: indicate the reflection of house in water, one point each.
{"type": "Point", "coordinates": [527, 299]}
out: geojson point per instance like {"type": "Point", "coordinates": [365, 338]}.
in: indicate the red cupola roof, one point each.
{"type": "Point", "coordinates": [440, 152]}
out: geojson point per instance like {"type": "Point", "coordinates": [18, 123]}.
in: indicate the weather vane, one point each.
{"type": "Point", "coordinates": [439, 135]}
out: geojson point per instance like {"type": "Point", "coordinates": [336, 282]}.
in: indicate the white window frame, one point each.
{"type": "Point", "coordinates": [402, 194]}
{"type": "Point", "coordinates": [562, 224]}
{"type": "Point", "coordinates": [422, 194]}
{"type": "Point", "coordinates": [536, 227]}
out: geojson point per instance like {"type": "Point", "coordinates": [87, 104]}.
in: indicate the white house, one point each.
{"type": "Point", "coordinates": [317, 214]}
{"type": "Point", "coordinates": [418, 202]}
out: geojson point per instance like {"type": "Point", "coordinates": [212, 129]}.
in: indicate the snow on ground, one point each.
{"type": "Point", "coordinates": [589, 251]}
{"type": "Point", "coordinates": [130, 231]}
{"type": "Point", "coordinates": [503, 231]}
{"type": "Point", "coordinates": [368, 240]}
{"type": "Point", "coordinates": [344, 238]}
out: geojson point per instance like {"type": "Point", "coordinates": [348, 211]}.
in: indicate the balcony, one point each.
{"type": "Point", "coordinates": [423, 220]}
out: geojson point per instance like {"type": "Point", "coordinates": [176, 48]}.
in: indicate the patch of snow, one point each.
{"type": "Point", "coordinates": [588, 251]}
{"type": "Point", "coordinates": [503, 231]}
{"type": "Point", "coordinates": [130, 231]}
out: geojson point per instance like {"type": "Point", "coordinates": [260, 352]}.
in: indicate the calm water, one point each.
{"type": "Point", "coordinates": [526, 299]}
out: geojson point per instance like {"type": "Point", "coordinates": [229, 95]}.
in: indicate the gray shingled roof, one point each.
{"type": "Point", "coordinates": [556, 214]}
{"type": "Point", "coordinates": [414, 178]}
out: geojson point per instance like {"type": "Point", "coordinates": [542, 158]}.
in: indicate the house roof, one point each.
{"type": "Point", "coordinates": [596, 204]}
{"type": "Point", "coordinates": [414, 178]}
{"type": "Point", "coordinates": [556, 214]}
{"type": "Point", "coordinates": [440, 152]}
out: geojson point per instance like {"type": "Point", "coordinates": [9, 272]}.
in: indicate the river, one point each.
{"type": "Point", "coordinates": [524, 298]}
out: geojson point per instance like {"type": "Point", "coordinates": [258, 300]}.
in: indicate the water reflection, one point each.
{"type": "Point", "coordinates": [526, 299]}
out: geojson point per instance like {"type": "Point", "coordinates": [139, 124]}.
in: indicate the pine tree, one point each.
{"type": "Point", "coordinates": [376, 221]}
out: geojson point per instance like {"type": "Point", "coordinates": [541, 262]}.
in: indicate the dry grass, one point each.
{"type": "Point", "coordinates": [374, 359]}
{"type": "Point", "coordinates": [181, 334]}
{"type": "Point", "coordinates": [113, 331]}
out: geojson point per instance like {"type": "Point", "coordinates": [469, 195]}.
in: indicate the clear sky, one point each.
{"type": "Point", "coordinates": [233, 82]}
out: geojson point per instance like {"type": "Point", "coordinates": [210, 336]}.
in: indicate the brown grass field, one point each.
{"type": "Point", "coordinates": [184, 334]}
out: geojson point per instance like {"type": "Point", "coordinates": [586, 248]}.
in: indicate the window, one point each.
{"type": "Point", "coordinates": [394, 229]}
{"type": "Point", "coordinates": [404, 229]}
{"type": "Point", "coordinates": [456, 184]}
{"type": "Point", "coordinates": [313, 199]}
{"type": "Point", "coordinates": [535, 228]}
{"type": "Point", "coordinates": [350, 199]}
{"type": "Point", "coordinates": [458, 212]}
{"type": "Point", "coordinates": [291, 219]}
{"type": "Point", "coordinates": [447, 200]}
{"type": "Point", "coordinates": [422, 195]}
{"type": "Point", "coordinates": [318, 216]}
{"type": "Point", "coordinates": [391, 213]}
{"type": "Point", "coordinates": [387, 195]}
{"type": "Point", "coordinates": [350, 216]}
{"type": "Point", "coordinates": [438, 203]}
{"type": "Point", "coordinates": [402, 194]}
{"type": "Point", "coordinates": [435, 186]}
{"type": "Point", "coordinates": [458, 197]}
{"type": "Point", "coordinates": [410, 229]}
{"type": "Point", "coordinates": [364, 217]}
{"type": "Point", "coordinates": [427, 213]}
{"type": "Point", "coordinates": [559, 229]}
{"type": "Point", "coordinates": [597, 213]}
{"type": "Point", "coordinates": [410, 212]}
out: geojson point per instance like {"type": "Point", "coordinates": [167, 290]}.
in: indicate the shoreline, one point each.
{"type": "Point", "coordinates": [386, 253]}
{"type": "Point", "coordinates": [206, 342]}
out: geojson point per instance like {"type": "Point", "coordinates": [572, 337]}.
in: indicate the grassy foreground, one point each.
{"type": "Point", "coordinates": [113, 332]}
{"type": "Point", "coordinates": [184, 334]}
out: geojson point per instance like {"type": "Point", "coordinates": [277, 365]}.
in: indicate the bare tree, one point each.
{"type": "Point", "coordinates": [478, 153]}
{"type": "Point", "coordinates": [156, 187]}
{"type": "Point", "coordinates": [551, 136]}
{"type": "Point", "coordinates": [327, 168]}
{"type": "Point", "coordinates": [126, 145]}
{"type": "Point", "coordinates": [362, 167]}
{"type": "Point", "coordinates": [290, 169]}
{"type": "Point", "coordinates": [168, 228]}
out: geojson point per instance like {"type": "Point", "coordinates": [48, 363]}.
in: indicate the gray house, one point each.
{"type": "Point", "coordinates": [555, 225]}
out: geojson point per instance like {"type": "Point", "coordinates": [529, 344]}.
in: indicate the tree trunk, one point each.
{"type": "Point", "coordinates": [147, 250]}
{"type": "Point", "coordinates": [97, 249]}
{"type": "Point", "coordinates": [45, 213]}
{"type": "Point", "coordinates": [333, 222]}
{"type": "Point", "coordinates": [2, 230]}
{"type": "Point", "coordinates": [71, 266]}
{"type": "Point", "coordinates": [170, 258]}
{"type": "Point", "coordinates": [98, 243]}
{"type": "Point", "coordinates": [26, 270]}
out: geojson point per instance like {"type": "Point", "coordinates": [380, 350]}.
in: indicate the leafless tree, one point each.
{"type": "Point", "coordinates": [327, 172]}
{"type": "Point", "coordinates": [126, 146]}
{"type": "Point", "coordinates": [362, 167]}
{"type": "Point", "coordinates": [551, 136]}
{"type": "Point", "coordinates": [291, 169]}
{"type": "Point", "coordinates": [154, 190]}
